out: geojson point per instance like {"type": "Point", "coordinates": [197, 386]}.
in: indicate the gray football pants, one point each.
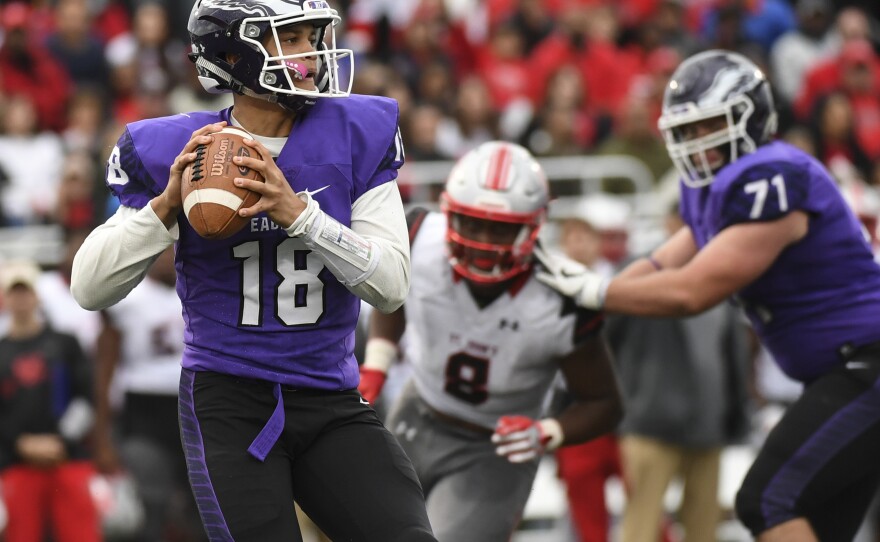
{"type": "Point", "coordinates": [472, 494]}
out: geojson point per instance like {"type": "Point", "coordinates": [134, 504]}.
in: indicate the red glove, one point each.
{"type": "Point", "coordinates": [371, 383]}
{"type": "Point", "coordinates": [521, 439]}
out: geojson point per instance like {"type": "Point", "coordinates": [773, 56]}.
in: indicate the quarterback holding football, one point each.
{"type": "Point", "coordinates": [268, 398]}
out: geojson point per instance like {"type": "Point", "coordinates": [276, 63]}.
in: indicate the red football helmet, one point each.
{"type": "Point", "coordinates": [495, 202]}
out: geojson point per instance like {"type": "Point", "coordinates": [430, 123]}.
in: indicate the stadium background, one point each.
{"type": "Point", "coordinates": [578, 82]}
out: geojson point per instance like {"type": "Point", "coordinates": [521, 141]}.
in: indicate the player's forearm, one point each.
{"type": "Point", "coordinates": [661, 294]}
{"type": "Point", "coordinates": [638, 268]}
{"type": "Point", "coordinates": [106, 357]}
{"type": "Point", "coordinates": [388, 326]}
{"type": "Point", "coordinates": [103, 416]}
{"type": "Point", "coordinates": [387, 286]}
{"type": "Point", "coordinates": [379, 216]}
{"type": "Point", "coordinates": [115, 256]}
{"type": "Point", "coordinates": [586, 420]}
{"type": "Point", "coordinates": [165, 211]}
{"type": "Point", "coordinates": [372, 257]}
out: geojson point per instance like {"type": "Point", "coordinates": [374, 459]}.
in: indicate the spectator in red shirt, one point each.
{"type": "Point", "coordinates": [828, 75]}
{"type": "Point", "coordinates": [587, 39]}
{"type": "Point", "coordinates": [566, 124]}
{"type": "Point", "coordinates": [861, 82]}
{"type": "Point", "coordinates": [649, 85]}
{"type": "Point", "coordinates": [505, 68]}
{"type": "Point", "coordinates": [27, 68]}
{"type": "Point", "coordinates": [112, 20]}
{"type": "Point", "coordinates": [422, 44]}
{"type": "Point", "coordinates": [41, 18]}
{"type": "Point", "coordinates": [835, 136]}
{"type": "Point", "coordinates": [533, 20]}
{"type": "Point", "coordinates": [855, 73]}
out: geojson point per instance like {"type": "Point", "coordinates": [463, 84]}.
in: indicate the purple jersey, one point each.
{"type": "Point", "coordinates": [259, 304]}
{"type": "Point", "coordinates": [822, 295]}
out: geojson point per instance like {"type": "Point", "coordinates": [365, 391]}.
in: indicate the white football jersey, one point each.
{"type": "Point", "coordinates": [479, 364]}
{"type": "Point", "coordinates": [151, 324]}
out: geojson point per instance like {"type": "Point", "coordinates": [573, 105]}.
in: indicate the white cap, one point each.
{"type": "Point", "coordinates": [24, 272]}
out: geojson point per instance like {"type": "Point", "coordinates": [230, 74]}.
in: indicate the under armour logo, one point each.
{"type": "Point", "coordinates": [405, 431]}
{"type": "Point", "coordinates": [513, 325]}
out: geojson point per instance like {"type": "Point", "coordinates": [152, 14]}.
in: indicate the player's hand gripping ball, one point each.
{"type": "Point", "coordinates": [211, 200]}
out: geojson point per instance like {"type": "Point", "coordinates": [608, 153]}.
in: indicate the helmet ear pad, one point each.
{"type": "Point", "coordinates": [322, 77]}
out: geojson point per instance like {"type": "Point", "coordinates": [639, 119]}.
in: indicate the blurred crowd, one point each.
{"type": "Point", "coordinates": [562, 77]}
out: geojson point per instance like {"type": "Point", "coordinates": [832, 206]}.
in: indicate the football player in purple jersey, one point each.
{"type": "Point", "coordinates": [268, 406]}
{"type": "Point", "coordinates": [767, 225]}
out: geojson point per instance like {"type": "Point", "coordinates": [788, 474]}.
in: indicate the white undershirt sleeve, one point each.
{"type": "Point", "coordinates": [372, 257]}
{"type": "Point", "coordinates": [115, 257]}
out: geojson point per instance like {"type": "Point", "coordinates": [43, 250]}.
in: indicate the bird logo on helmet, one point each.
{"type": "Point", "coordinates": [228, 48]}
{"type": "Point", "coordinates": [727, 90]}
{"type": "Point", "coordinates": [501, 186]}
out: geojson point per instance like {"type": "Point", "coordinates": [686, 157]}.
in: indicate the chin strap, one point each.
{"type": "Point", "coordinates": [232, 84]}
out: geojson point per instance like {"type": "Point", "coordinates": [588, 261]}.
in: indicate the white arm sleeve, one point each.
{"type": "Point", "coordinates": [372, 257]}
{"type": "Point", "coordinates": [115, 257]}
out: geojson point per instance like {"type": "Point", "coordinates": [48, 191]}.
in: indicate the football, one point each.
{"type": "Point", "coordinates": [210, 199]}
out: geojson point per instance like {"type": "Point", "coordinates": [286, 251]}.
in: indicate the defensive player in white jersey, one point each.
{"type": "Point", "coordinates": [485, 340]}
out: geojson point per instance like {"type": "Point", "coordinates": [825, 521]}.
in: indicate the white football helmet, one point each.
{"type": "Point", "coordinates": [497, 182]}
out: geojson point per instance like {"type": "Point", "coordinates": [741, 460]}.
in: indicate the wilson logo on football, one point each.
{"type": "Point", "coordinates": [220, 157]}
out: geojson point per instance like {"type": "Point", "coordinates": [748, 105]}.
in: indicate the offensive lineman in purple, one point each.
{"type": "Point", "coordinates": [216, 338]}
{"type": "Point", "coordinates": [767, 225]}
{"type": "Point", "coordinates": [821, 293]}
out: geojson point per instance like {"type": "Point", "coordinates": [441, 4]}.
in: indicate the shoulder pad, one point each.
{"type": "Point", "coordinates": [587, 322]}
{"type": "Point", "coordinates": [763, 192]}
{"type": "Point", "coordinates": [371, 125]}
{"type": "Point", "coordinates": [137, 169]}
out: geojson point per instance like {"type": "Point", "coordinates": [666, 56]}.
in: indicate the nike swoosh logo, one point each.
{"type": "Point", "coordinates": [313, 192]}
{"type": "Point", "coordinates": [364, 401]}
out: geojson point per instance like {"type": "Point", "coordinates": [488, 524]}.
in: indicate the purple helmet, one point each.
{"type": "Point", "coordinates": [715, 84]}
{"type": "Point", "coordinates": [228, 50]}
